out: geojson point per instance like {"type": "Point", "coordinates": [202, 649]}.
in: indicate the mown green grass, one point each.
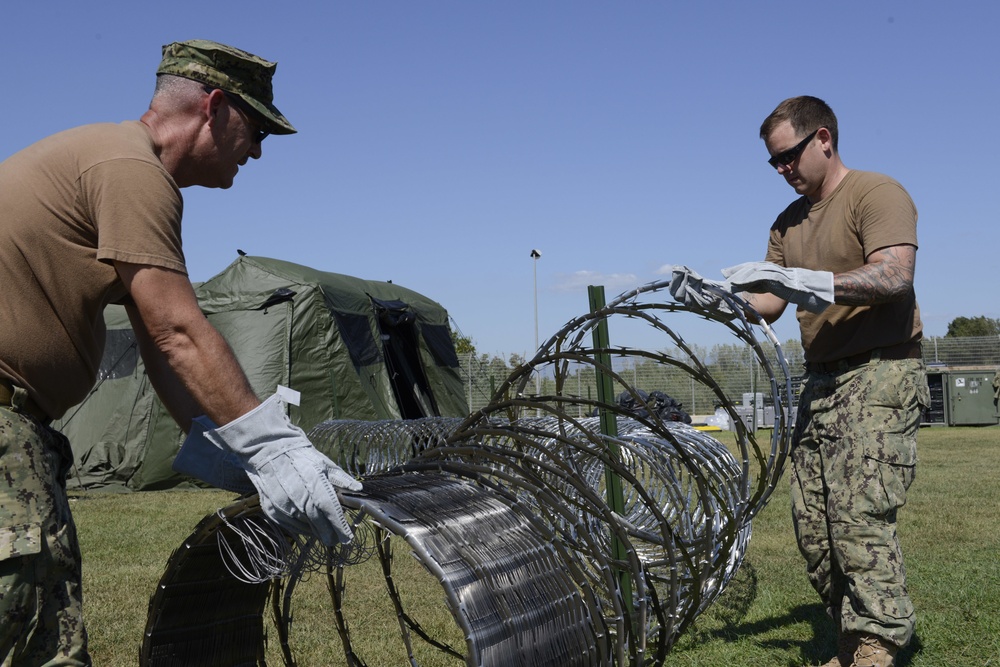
{"type": "Point", "coordinates": [769, 616]}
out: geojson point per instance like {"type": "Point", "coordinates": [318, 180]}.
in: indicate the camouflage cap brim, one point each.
{"type": "Point", "coordinates": [230, 69]}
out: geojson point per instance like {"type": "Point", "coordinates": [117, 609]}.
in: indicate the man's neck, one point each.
{"type": "Point", "coordinates": [830, 183]}
{"type": "Point", "coordinates": [165, 138]}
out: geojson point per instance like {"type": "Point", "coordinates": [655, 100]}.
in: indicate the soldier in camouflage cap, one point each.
{"type": "Point", "coordinates": [102, 204]}
{"type": "Point", "coordinates": [232, 70]}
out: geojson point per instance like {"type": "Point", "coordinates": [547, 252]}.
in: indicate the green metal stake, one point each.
{"type": "Point", "coordinates": [609, 428]}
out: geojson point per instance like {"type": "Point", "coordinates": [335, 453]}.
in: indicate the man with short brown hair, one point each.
{"type": "Point", "coordinates": [844, 252]}
{"type": "Point", "coordinates": [92, 216]}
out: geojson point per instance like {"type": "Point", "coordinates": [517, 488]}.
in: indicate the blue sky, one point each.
{"type": "Point", "coordinates": [440, 142]}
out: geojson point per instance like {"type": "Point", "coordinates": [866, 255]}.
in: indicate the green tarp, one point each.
{"type": "Point", "coordinates": [355, 349]}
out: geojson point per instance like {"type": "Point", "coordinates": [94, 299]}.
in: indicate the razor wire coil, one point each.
{"type": "Point", "coordinates": [509, 507]}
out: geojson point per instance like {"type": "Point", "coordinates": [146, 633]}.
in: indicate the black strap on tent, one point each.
{"type": "Point", "coordinates": [280, 295]}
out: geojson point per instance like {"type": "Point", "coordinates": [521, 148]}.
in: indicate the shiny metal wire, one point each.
{"type": "Point", "coordinates": [688, 499]}
{"type": "Point", "coordinates": [513, 510]}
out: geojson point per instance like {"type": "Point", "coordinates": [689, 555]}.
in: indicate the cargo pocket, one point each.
{"type": "Point", "coordinates": [21, 540]}
{"type": "Point", "coordinates": [896, 604]}
{"type": "Point", "coordinates": [890, 467]}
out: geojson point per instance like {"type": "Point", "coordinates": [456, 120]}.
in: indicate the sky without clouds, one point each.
{"type": "Point", "coordinates": [440, 142]}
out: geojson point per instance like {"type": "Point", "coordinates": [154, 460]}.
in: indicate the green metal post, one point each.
{"type": "Point", "coordinates": [609, 428]}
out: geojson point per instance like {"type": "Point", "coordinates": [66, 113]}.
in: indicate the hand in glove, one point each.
{"type": "Point", "coordinates": [813, 290]}
{"type": "Point", "coordinates": [688, 287]}
{"type": "Point", "coordinates": [295, 481]}
{"type": "Point", "coordinates": [203, 459]}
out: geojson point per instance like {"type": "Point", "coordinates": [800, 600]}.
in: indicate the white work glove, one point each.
{"type": "Point", "coordinates": [813, 290]}
{"type": "Point", "coordinates": [688, 287]}
{"type": "Point", "coordinates": [295, 481]}
{"type": "Point", "coordinates": [204, 460]}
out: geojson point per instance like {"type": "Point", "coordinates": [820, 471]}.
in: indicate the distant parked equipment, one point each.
{"type": "Point", "coordinates": [961, 397]}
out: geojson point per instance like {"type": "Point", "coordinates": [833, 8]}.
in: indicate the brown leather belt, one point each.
{"type": "Point", "coordinates": [908, 350]}
{"type": "Point", "coordinates": [28, 407]}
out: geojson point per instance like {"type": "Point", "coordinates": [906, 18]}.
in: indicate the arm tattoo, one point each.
{"type": "Point", "coordinates": [887, 277]}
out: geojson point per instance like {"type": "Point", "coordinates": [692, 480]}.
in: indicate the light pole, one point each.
{"type": "Point", "coordinates": [535, 254]}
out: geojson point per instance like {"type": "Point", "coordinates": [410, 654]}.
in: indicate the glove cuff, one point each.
{"type": "Point", "coordinates": [202, 459]}
{"type": "Point", "coordinates": [258, 435]}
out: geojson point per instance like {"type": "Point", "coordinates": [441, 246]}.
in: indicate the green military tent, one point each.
{"type": "Point", "coordinates": [355, 349]}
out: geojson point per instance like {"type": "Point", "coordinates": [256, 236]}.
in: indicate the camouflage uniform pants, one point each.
{"type": "Point", "coordinates": [41, 621]}
{"type": "Point", "coordinates": [854, 455]}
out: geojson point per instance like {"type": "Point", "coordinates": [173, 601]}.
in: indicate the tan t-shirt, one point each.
{"type": "Point", "coordinates": [866, 212]}
{"type": "Point", "coordinates": [70, 205]}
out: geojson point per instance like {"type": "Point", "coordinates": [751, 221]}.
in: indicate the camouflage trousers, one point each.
{"type": "Point", "coordinates": [41, 620]}
{"type": "Point", "coordinates": [854, 455]}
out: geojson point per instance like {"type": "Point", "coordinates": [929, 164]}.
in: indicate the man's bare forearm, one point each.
{"type": "Point", "coordinates": [195, 373]}
{"type": "Point", "coordinates": [769, 306]}
{"type": "Point", "coordinates": [190, 364]}
{"type": "Point", "coordinates": [888, 279]}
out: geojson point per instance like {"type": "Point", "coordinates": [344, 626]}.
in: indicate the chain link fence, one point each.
{"type": "Point", "coordinates": [971, 351]}
{"type": "Point", "coordinates": [733, 367]}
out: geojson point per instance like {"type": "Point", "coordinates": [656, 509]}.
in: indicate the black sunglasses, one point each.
{"type": "Point", "coordinates": [260, 133]}
{"type": "Point", "coordinates": [785, 158]}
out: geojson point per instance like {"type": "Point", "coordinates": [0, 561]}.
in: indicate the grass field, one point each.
{"type": "Point", "coordinates": [770, 616]}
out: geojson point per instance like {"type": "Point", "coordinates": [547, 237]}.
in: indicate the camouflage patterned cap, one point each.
{"type": "Point", "coordinates": [230, 69]}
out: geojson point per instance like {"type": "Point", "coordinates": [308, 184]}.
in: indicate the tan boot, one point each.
{"type": "Point", "coordinates": [873, 651]}
{"type": "Point", "coordinates": [846, 645]}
